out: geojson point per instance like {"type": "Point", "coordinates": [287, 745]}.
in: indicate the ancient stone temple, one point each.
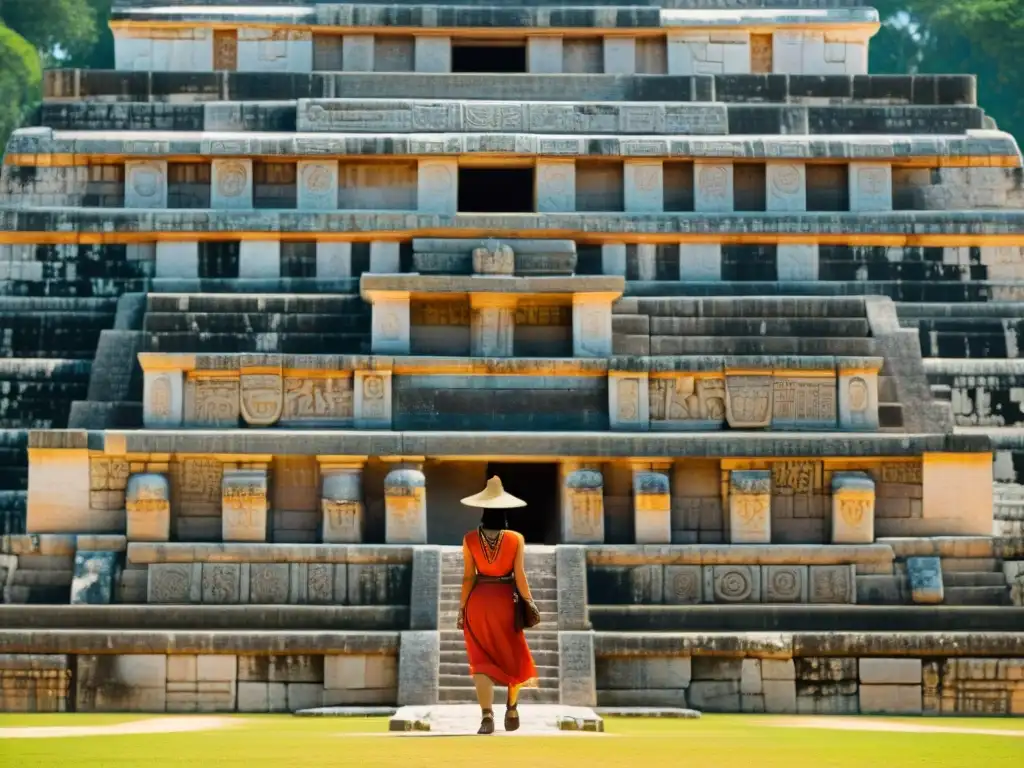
{"type": "Point", "coordinates": [295, 277]}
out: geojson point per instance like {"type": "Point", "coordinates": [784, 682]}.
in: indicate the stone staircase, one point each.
{"type": "Point", "coordinates": [974, 581]}
{"type": "Point", "coordinates": [456, 686]}
{"type": "Point", "coordinates": [292, 324]}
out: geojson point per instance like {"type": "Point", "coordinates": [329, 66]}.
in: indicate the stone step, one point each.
{"type": "Point", "coordinates": [733, 302]}
{"type": "Point", "coordinates": [831, 327]}
{"type": "Point", "coordinates": [460, 680]}
{"type": "Point", "coordinates": [970, 564]}
{"type": "Point", "coordinates": [976, 595]}
{"type": "Point", "coordinates": [251, 322]}
{"type": "Point", "coordinates": [973, 579]}
{"type": "Point", "coordinates": [280, 343]}
{"type": "Point", "coordinates": [30, 578]}
{"type": "Point", "coordinates": [210, 303]}
{"type": "Point", "coordinates": [537, 645]}
{"type": "Point", "coordinates": [462, 669]}
{"type": "Point", "coordinates": [467, 695]}
{"type": "Point", "coordinates": [759, 345]}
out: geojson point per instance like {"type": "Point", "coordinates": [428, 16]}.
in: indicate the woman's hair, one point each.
{"type": "Point", "coordinates": [494, 519]}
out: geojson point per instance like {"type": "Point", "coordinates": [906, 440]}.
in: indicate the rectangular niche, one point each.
{"type": "Point", "coordinates": [377, 186]}
{"type": "Point", "coordinates": [439, 327]}
{"type": "Point", "coordinates": [542, 330]}
{"type": "Point", "coordinates": [600, 186]}
{"type": "Point", "coordinates": [188, 185]}
{"type": "Point", "coordinates": [828, 187]}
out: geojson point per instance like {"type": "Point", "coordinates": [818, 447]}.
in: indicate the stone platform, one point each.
{"type": "Point", "coordinates": [464, 719]}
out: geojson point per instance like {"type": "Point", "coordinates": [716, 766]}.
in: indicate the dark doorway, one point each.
{"type": "Point", "coordinates": [489, 58]}
{"type": "Point", "coordinates": [495, 190]}
{"type": "Point", "coordinates": [537, 485]}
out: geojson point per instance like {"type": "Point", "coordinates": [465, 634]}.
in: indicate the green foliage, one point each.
{"type": "Point", "coordinates": [980, 37]}
{"type": "Point", "coordinates": [54, 27]}
{"type": "Point", "coordinates": [20, 80]}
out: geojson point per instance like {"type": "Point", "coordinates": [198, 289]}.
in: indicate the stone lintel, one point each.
{"type": "Point", "coordinates": [375, 287]}
{"type": "Point", "coordinates": [126, 641]}
{"type": "Point", "coordinates": [145, 553]}
{"type": "Point", "coordinates": [71, 225]}
{"type": "Point", "coordinates": [591, 445]}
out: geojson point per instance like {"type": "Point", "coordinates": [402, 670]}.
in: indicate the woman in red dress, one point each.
{"type": "Point", "coordinates": [494, 573]}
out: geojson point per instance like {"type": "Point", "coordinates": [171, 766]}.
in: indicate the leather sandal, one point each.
{"type": "Point", "coordinates": [487, 723]}
{"type": "Point", "coordinates": [512, 717]}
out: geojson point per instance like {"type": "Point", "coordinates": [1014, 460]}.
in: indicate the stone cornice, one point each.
{"type": "Point", "coordinates": [45, 225]}
{"type": "Point", "coordinates": [47, 148]}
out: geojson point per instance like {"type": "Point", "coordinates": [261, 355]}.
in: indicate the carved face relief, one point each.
{"type": "Point", "coordinates": [858, 392]}
{"type": "Point", "coordinates": [232, 179]}
{"type": "Point", "coordinates": [713, 181]}
{"type": "Point", "coordinates": [146, 180]}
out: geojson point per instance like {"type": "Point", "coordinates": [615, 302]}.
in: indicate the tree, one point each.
{"type": "Point", "coordinates": [20, 80]}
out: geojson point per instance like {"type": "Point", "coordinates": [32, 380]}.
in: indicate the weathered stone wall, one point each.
{"type": "Point", "coordinates": [34, 683]}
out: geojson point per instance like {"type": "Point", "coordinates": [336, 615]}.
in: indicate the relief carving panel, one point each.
{"type": "Point", "coordinates": [749, 401]}
{"type": "Point", "coordinates": [211, 402]}
{"type": "Point", "coordinates": [700, 402]}
{"type": "Point", "coordinates": [261, 398]}
{"type": "Point", "coordinates": [327, 399]}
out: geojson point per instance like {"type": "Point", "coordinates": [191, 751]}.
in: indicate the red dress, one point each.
{"type": "Point", "coordinates": [493, 645]}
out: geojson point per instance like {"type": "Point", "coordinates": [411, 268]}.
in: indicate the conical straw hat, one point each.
{"type": "Point", "coordinates": [493, 497]}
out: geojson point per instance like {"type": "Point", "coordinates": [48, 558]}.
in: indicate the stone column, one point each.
{"type": "Point", "coordinates": [148, 505]}
{"type": "Point", "coordinates": [644, 190]}
{"type": "Point", "coordinates": [390, 323]}
{"type": "Point", "coordinates": [613, 259]}
{"type": "Point", "coordinates": [244, 505]}
{"type": "Point", "coordinates": [343, 518]}
{"type": "Point", "coordinates": [577, 669]}
{"type": "Point", "coordinates": [259, 259]}
{"type": "Point", "coordinates": [333, 259]}
{"type": "Point", "coordinates": [492, 324]}
{"type": "Point", "coordinates": [582, 506]}
{"type": "Point", "coordinates": [231, 184]}
{"type": "Point", "coordinates": [419, 667]}
{"type": "Point", "coordinates": [555, 185]}
{"type": "Point", "coordinates": [870, 187]}
{"type": "Point", "coordinates": [592, 324]}
{"type": "Point", "coordinates": [433, 54]}
{"type": "Point", "coordinates": [372, 401]}
{"type": "Point", "coordinates": [163, 399]}
{"type": "Point", "coordinates": [437, 186]}
{"type": "Point", "coordinates": [405, 507]}
{"type": "Point", "coordinates": [357, 53]}
{"type": "Point", "coordinates": [619, 56]}
{"type": "Point", "coordinates": [796, 263]}
{"type": "Point", "coordinates": [853, 508]}
{"type": "Point", "coordinates": [858, 393]}
{"type": "Point", "coordinates": [647, 261]}
{"type": "Point", "coordinates": [317, 185]}
{"type": "Point", "coordinates": [571, 579]}
{"type": "Point", "coordinates": [750, 498]}
{"type": "Point", "coordinates": [177, 260]}
{"type": "Point", "coordinates": [145, 184]}
{"type": "Point", "coordinates": [544, 55]}
{"type": "Point", "coordinates": [629, 401]}
{"type": "Point", "coordinates": [786, 187]}
{"type": "Point", "coordinates": [652, 507]}
{"type": "Point", "coordinates": [712, 187]}
{"type": "Point", "coordinates": [700, 262]}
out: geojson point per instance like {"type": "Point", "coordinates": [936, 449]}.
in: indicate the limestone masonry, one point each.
{"type": "Point", "coordinates": [737, 319]}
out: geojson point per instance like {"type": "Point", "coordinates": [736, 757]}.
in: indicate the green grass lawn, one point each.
{"type": "Point", "coordinates": [716, 741]}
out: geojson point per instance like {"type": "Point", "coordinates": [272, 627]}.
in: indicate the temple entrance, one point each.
{"type": "Point", "coordinates": [537, 485]}
{"type": "Point", "coordinates": [495, 190]}
{"type": "Point", "coordinates": [498, 56]}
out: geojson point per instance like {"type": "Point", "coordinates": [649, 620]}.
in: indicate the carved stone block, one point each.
{"type": "Point", "coordinates": [683, 585]}
{"type": "Point", "coordinates": [583, 517]}
{"type": "Point", "coordinates": [163, 399]}
{"type": "Point", "coordinates": [712, 187]}
{"type": "Point", "coordinates": [591, 326]}
{"type": "Point", "coordinates": [390, 323]}
{"type": "Point", "coordinates": [748, 402]}
{"type": "Point", "coordinates": [341, 505]}
{"type": "Point", "coordinates": [320, 584]}
{"type": "Point", "coordinates": [870, 187]}
{"type": "Point", "coordinates": [786, 187]}
{"type": "Point", "coordinates": [858, 399]}
{"type": "Point", "coordinates": [652, 508]}
{"type": "Point", "coordinates": [644, 186]}
{"type": "Point", "coordinates": [268, 583]}
{"type": "Point", "coordinates": [261, 396]}
{"type": "Point", "coordinates": [494, 258]}
{"type": "Point", "coordinates": [231, 184]}
{"type": "Point", "coordinates": [405, 507]}
{"type": "Point", "coordinates": [222, 583]}
{"type": "Point", "coordinates": [174, 583]}
{"type": "Point", "coordinates": [802, 403]}
{"type": "Point", "coordinates": [438, 186]}
{"type": "Point", "coordinates": [492, 324]}
{"type": "Point", "coordinates": [682, 402]}
{"type": "Point", "coordinates": [925, 575]}
{"type": "Point", "coordinates": [750, 519]}
{"type": "Point", "coordinates": [244, 505]}
{"type": "Point", "coordinates": [628, 404]}
{"type": "Point", "coordinates": [373, 400]}
{"type": "Point", "coordinates": [732, 583]}
{"type": "Point", "coordinates": [832, 584]}
{"type": "Point", "coordinates": [148, 506]}
{"type": "Point", "coordinates": [317, 185]}
{"type": "Point", "coordinates": [784, 583]}
{"type": "Point", "coordinates": [145, 184]}
{"type": "Point", "coordinates": [211, 401]}
{"type": "Point", "coordinates": [853, 508]}
{"type": "Point", "coordinates": [556, 186]}
{"type": "Point", "coordinates": [326, 401]}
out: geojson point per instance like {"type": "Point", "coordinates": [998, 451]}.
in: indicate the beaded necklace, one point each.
{"type": "Point", "coordinates": [490, 546]}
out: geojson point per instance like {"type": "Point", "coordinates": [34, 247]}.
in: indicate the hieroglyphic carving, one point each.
{"type": "Point", "coordinates": [261, 397]}
{"type": "Point", "coordinates": [749, 400]}
{"type": "Point", "coordinates": [172, 583]}
{"type": "Point", "coordinates": [629, 399]}
{"type": "Point", "coordinates": [244, 505]}
{"type": "Point", "coordinates": [232, 179]}
{"type": "Point", "coordinates": [784, 583]}
{"type": "Point", "coordinates": [798, 477]}
{"type": "Point", "coordinates": [713, 187]}
{"type": "Point", "coordinates": [532, 314]}
{"type": "Point", "coordinates": [148, 508]}
{"type": "Point", "coordinates": [320, 399]}
{"type": "Point", "coordinates": [588, 513]}
{"type": "Point", "coordinates": [221, 583]}
{"type": "Point", "coordinates": [211, 401]}
{"type": "Point", "coordinates": [198, 484]}
{"type": "Point", "coordinates": [493, 117]}
{"type": "Point", "coordinates": [455, 312]}
{"type": "Point", "coordinates": [343, 521]}
{"type": "Point", "coordinates": [108, 474]}
{"type": "Point", "coordinates": [687, 398]}
{"type": "Point", "coordinates": [160, 397]}
{"type": "Point", "coordinates": [374, 393]}
{"type": "Point", "coordinates": [910, 472]}
{"type": "Point", "coordinates": [810, 401]}
{"type": "Point", "coordinates": [831, 584]}
{"type": "Point", "coordinates": [268, 583]}
{"type": "Point", "coordinates": [750, 506]}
